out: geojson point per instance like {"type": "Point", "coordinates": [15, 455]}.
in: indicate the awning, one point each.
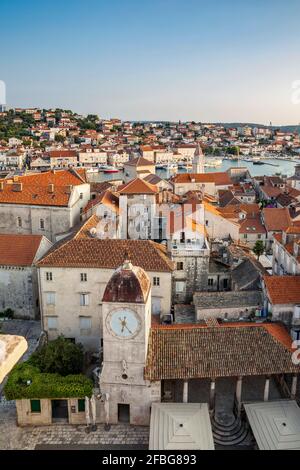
{"type": "Point", "coordinates": [275, 425]}
{"type": "Point", "coordinates": [180, 426]}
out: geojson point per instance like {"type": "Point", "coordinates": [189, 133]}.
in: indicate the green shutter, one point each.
{"type": "Point", "coordinates": [35, 406]}
{"type": "Point", "coordinates": [81, 405]}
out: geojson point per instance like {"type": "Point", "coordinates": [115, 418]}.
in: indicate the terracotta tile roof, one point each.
{"type": "Point", "coordinates": [283, 289]}
{"type": "Point", "coordinates": [96, 253]}
{"type": "Point", "coordinates": [271, 191]}
{"type": "Point", "coordinates": [100, 187]}
{"type": "Point", "coordinates": [140, 161]}
{"type": "Point", "coordinates": [219, 178]}
{"type": "Point", "coordinates": [192, 351]}
{"type": "Point", "coordinates": [84, 231]}
{"type": "Point", "coordinates": [252, 225]}
{"type": "Point", "coordinates": [18, 250]}
{"type": "Point", "coordinates": [34, 188]}
{"type": "Point", "coordinates": [62, 153]}
{"type": "Point", "coordinates": [276, 219]}
{"type": "Point", "coordinates": [138, 186]}
{"type": "Point", "coordinates": [107, 198]}
{"type": "Point", "coordinates": [293, 229]}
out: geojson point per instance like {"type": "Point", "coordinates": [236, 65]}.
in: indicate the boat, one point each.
{"type": "Point", "coordinates": [160, 166]}
{"type": "Point", "coordinates": [92, 170]}
{"type": "Point", "coordinates": [213, 163]}
{"type": "Point", "coordinates": [257, 161]}
{"type": "Point", "coordinates": [109, 169]}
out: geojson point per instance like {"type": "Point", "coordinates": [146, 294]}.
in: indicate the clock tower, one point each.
{"type": "Point", "coordinates": [126, 314]}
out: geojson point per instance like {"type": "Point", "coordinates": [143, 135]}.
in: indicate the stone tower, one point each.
{"type": "Point", "coordinates": [198, 160]}
{"type": "Point", "coordinates": [126, 312]}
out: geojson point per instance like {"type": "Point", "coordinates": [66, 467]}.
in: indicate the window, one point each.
{"type": "Point", "coordinates": [81, 196]}
{"type": "Point", "coordinates": [85, 323]}
{"type": "Point", "coordinates": [259, 236]}
{"type": "Point", "coordinates": [179, 266]}
{"type": "Point", "coordinates": [245, 235]}
{"type": "Point", "coordinates": [83, 277]}
{"type": "Point", "coordinates": [50, 298]}
{"type": "Point", "coordinates": [225, 283]}
{"type": "Point", "coordinates": [42, 224]}
{"type": "Point", "coordinates": [210, 282]}
{"type": "Point", "coordinates": [156, 281]}
{"type": "Point", "coordinates": [35, 406]}
{"type": "Point", "coordinates": [81, 405]}
{"type": "Point", "coordinates": [84, 300]}
{"type": "Point", "coordinates": [52, 323]}
{"type": "Point", "coordinates": [206, 223]}
{"type": "Point", "coordinates": [49, 276]}
{"type": "Point", "coordinates": [19, 222]}
{"type": "Point", "coordinates": [180, 286]}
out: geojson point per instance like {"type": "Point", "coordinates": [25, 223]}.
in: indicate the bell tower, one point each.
{"type": "Point", "coordinates": [198, 160]}
{"type": "Point", "coordinates": [126, 314]}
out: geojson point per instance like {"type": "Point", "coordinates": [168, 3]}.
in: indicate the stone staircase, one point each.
{"type": "Point", "coordinates": [230, 430]}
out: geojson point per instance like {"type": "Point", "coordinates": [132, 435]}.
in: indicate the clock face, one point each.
{"type": "Point", "coordinates": [124, 323]}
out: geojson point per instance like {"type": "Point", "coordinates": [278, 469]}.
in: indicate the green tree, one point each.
{"type": "Point", "coordinates": [259, 248]}
{"type": "Point", "coordinates": [59, 138]}
{"type": "Point", "coordinates": [60, 356]}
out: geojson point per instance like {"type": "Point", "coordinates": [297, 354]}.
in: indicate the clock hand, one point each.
{"type": "Point", "coordinates": [123, 323]}
{"type": "Point", "coordinates": [128, 329]}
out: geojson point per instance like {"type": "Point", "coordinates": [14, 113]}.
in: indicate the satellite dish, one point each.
{"type": "Point", "coordinates": [93, 232]}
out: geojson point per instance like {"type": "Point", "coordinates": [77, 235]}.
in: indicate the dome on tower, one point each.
{"type": "Point", "coordinates": [128, 284]}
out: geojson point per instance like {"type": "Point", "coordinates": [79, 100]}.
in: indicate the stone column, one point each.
{"type": "Point", "coordinates": [212, 394]}
{"type": "Point", "coordinates": [267, 389]}
{"type": "Point", "coordinates": [238, 394]}
{"type": "Point", "coordinates": [294, 387]}
{"type": "Point", "coordinates": [185, 391]}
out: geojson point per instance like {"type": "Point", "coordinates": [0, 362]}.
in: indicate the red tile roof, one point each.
{"type": "Point", "coordinates": [35, 188]}
{"type": "Point", "coordinates": [219, 178]}
{"type": "Point", "coordinates": [276, 220]}
{"type": "Point", "coordinates": [252, 225]}
{"type": "Point", "coordinates": [283, 289]}
{"type": "Point", "coordinates": [96, 253]}
{"type": "Point", "coordinates": [140, 161]}
{"type": "Point", "coordinates": [18, 250]}
{"type": "Point", "coordinates": [138, 186]}
{"type": "Point", "coordinates": [192, 351]}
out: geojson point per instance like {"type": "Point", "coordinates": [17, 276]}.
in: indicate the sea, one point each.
{"type": "Point", "coordinates": [271, 167]}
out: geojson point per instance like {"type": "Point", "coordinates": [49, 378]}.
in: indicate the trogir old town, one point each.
{"type": "Point", "coordinates": [150, 227]}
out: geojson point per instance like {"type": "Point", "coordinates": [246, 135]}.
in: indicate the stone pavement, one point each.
{"type": "Point", "coordinates": [66, 436]}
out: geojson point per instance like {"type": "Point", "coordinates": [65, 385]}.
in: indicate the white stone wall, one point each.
{"type": "Point", "coordinates": [67, 286]}
{"type": "Point", "coordinates": [56, 219]}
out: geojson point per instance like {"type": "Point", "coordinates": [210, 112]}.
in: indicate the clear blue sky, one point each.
{"type": "Point", "coordinates": [212, 60]}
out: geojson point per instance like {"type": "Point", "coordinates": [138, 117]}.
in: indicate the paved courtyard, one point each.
{"type": "Point", "coordinates": [65, 436]}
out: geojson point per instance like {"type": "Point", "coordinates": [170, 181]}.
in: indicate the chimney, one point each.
{"type": "Point", "coordinates": [1, 185]}
{"type": "Point", "coordinates": [17, 187]}
{"type": "Point", "coordinates": [51, 188]}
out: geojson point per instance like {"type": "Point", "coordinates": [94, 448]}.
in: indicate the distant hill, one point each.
{"type": "Point", "coordinates": [287, 128]}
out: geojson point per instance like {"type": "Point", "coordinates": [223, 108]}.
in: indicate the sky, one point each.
{"type": "Point", "coordinates": [208, 61]}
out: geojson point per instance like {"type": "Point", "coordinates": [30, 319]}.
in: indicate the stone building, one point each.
{"type": "Point", "coordinates": [137, 209]}
{"type": "Point", "coordinates": [126, 316]}
{"type": "Point", "coordinates": [138, 168]}
{"type": "Point", "coordinates": [231, 305]}
{"type": "Point", "coordinates": [18, 274]}
{"type": "Point", "coordinates": [46, 204]}
{"type": "Point", "coordinates": [73, 278]}
{"type": "Point", "coordinates": [282, 300]}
